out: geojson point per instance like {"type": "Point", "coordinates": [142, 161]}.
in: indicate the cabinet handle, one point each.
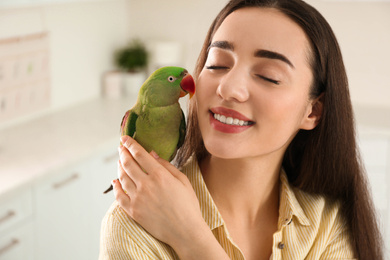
{"type": "Point", "coordinates": [10, 245]}
{"type": "Point", "coordinates": [9, 215]}
{"type": "Point", "coordinates": [60, 184]}
{"type": "Point", "coordinates": [111, 158]}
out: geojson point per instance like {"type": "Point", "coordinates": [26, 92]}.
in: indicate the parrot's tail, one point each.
{"type": "Point", "coordinates": [108, 190]}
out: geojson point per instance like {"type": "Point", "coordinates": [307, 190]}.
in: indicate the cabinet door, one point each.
{"type": "Point", "coordinates": [16, 225]}
{"type": "Point", "coordinates": [17, 244]}
{"type": "Point", "coordinates": [62, 215]}
{"type": "Point", "coordinates": [70, 206]}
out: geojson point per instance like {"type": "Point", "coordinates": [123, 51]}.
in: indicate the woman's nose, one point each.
{"type": "Point", "coordinates": [233, 86]}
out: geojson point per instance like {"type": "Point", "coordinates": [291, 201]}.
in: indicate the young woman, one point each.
{"type": "Point", "coordinates": [271, 167]}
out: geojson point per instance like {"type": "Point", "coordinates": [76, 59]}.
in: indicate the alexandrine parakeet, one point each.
{"type": "Point", "coordinates": [156, 121]}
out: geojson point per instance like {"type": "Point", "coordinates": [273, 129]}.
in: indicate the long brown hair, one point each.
{"type": "Point", "coordinates": [324, 160]}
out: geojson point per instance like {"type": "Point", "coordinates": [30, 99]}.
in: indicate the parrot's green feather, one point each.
{"type": "Point", "coordinates": [131, 128]}
{"type": "Point", "coordinates": [128, 123]}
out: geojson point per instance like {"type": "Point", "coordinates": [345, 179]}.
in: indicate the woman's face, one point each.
{"type": "Point", "coordinates": [253, 93]}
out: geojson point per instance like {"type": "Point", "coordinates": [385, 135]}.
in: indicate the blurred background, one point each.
{"type": "Point", "coordinates": [62, 96]}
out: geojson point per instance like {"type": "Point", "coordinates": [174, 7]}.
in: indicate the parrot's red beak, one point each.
{"type": "Point", "coordinates": [187, 85]}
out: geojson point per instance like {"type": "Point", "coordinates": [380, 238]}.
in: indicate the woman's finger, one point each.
{"type": "Point", "coordinates": [171, 168]}
{"type": "Point", "coordinates": [130, 167]}
{"type": "Point", "coordinates": [126, 182]}
{"type": "Point", "coordinates": [120, 196]}
{"type": "Point", "coordinates": [141, 156]}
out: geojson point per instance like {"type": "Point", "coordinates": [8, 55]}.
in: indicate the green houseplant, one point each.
{"type": "Point", "coordinates": [133, 57]}
{"type": "Point", "coordinates": [133, 61]}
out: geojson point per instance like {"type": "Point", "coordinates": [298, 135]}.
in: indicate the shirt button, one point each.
{"type": "Point", "coordinates": [280, 245]}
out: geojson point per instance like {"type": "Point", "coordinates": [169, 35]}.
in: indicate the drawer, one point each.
{"type": "Point", "coordinates": [15, 208]}
{"type": "Point", "coordinates": [18, 244]}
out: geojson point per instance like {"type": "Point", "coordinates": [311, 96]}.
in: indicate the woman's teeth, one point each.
{"type": "Point", "coordinates": [230, 120]}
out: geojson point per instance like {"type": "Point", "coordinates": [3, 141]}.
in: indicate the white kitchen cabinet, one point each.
{"type": "Point", "coordinates": [51, 189]}
{"type": "Point", "coordinates": [61, 219]}
{"type": "Point", "coordinates": [18, 243]}
{"type": "Point", "coordinates": [16, 226]}
{"type": "Point", "coordinates": [70, 206]}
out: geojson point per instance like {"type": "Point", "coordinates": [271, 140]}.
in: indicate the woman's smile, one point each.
{"type": "Point", "coordinates": [229, 121]}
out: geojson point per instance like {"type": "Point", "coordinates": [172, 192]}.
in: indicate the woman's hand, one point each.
{"type": "Point", "coordinates": [161, 199]}
{"type": "Point", "coordinates": [158, 196]}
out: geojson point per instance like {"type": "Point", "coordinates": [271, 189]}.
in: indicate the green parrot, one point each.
{"type": "Point", "coordinates": [156, 121]}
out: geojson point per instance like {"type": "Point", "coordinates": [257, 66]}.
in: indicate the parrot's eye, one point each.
{"type": "Point", "coordinates": [171, 78]}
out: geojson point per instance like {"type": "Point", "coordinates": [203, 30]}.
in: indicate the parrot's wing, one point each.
{"type": "Point", "coordinates": [182, 131]}
{"type": "Point", "coordinates": [127, 128]}
{"type": "Point", "coordinates": [128, 123]}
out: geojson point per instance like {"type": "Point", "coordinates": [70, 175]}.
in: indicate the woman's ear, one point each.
{"type": "Point", "coordinates": [313, 113]}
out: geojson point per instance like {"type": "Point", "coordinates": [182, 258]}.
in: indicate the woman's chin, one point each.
{"type": "Point", "coordinates": [223, 151]}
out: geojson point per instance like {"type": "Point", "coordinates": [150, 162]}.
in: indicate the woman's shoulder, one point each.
{"type": "Point", "coordinates": [318, 208]}
{"type": "Point", "coordinates": [121, 225]}
{"type": "Point", "coordinates": [117, 216]}
{"type": "Point", "coordinates": [319, 226]}
{"type": "Point", "coordinates": [119, 228]}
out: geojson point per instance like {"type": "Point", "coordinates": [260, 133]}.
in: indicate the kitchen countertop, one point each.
{"type": "Point", "coordinates": [38, 147]}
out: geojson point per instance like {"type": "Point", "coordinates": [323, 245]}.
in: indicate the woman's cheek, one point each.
{"type": "Point", "coordinates": [204, 87]}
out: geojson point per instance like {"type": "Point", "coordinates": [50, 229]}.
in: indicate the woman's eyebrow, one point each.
{"type": "Point", "coordinates": [258, 53]}
{"type": "Point", "coordinates": [273, 55]}
{"type": "Point", "coordinates": [221, 44]}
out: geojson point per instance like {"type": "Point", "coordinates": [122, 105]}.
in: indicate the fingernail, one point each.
{"type": "Point", "coordinates": [124, 139]}
{"type": "Point", "coordinates": [154, 154]}
{"type": "Point", "coordinates": [113, 182]}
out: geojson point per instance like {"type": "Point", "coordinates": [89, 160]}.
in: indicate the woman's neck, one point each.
{"type": "Point", "coordinates": [244, 189]}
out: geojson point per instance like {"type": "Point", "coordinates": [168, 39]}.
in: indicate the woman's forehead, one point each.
{"type": "Point", "coordinates": [255, 28]}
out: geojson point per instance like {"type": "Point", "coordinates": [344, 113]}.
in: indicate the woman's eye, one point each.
{"type": "Point", "coordinates": [276, 82]}
{"type": "Point", "coordinates": [213, 67]}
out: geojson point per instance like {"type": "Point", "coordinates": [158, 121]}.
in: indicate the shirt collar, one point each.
{"type": "Point", "coordinates": [289, 206]}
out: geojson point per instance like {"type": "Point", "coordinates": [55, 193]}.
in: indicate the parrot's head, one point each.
{"type": "Point", "coordinates": [166, 85]}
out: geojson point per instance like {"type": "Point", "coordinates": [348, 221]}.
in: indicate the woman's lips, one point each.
{"type": "Point", "coordinates": [228, 121]}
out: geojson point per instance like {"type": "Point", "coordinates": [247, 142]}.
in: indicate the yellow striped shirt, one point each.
{"type": "Point", "coordinates": [309, 227]}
